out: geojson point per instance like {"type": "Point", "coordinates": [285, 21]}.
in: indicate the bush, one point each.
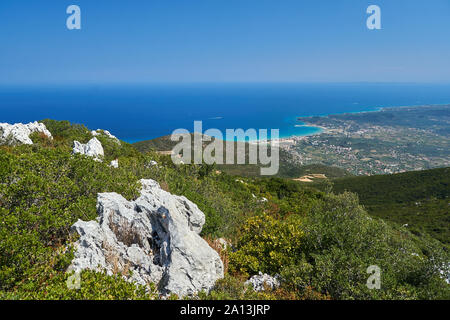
{"type": "Point", "coordinates": [234, 288]}
{"type": "Point", "coordinates": [50, 281]}
{"type": "Point", "coordinates": [39, 203]}
{"type": "Point", "coordinates": [343, 241]}
{"type": "Point", "coordinates": [64, 132]}
{"type": "Point", "coordinates": [329, 251]}
{"type": "Point", "coordinates": [321, 244]}
{"type": "Point", "coordinates": [267, 244]}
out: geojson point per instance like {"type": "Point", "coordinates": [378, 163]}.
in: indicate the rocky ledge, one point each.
{"type": "Point", "coordinates": [152, 239]}
{"type": "Point", "coordinates": [19, 133]}
{"type": "Point", "coordinates": [106, 133]}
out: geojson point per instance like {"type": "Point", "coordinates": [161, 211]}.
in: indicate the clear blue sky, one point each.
{"type": "Point", "coordinates": [141, 41]}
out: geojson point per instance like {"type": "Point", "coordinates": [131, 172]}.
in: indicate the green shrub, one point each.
{"type": "Point", "coordinates": [330, 249]}
{"type": "Point", "coordinates": [234, 288]}
{"type": "Point", "coordinates": [321, 244]}
{"type": "Point", "coordinates": [40, 203]}
{"type": "Point", "coordinates": [64, 132]}
{"type": "Point", "coordinates": [50, 281]}
{"type": "Point", "coordinates": [267, 244]}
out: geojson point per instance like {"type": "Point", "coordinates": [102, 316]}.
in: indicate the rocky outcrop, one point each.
{"type": "Point", "coordinates": [92, 149]}
{"type": "Point", "coordinates": [106, 133]}
{"type": "Point", "coordinates": [262, 281]}
{"type": "Point", "coordinates": [19, 133]}
{"type": "Point", "coordinates": [156, 237]}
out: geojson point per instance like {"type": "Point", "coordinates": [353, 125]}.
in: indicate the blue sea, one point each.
{"type": "Point", "coordinates": [140, 112]}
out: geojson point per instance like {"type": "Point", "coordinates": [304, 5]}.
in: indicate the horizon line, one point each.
{"type": "Point", "coordinates": [152, 83]}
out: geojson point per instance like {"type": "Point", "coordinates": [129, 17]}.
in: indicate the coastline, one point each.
{"type": "Point", "coordinates": [321, 129]}
{"type": "Point", "coordinates": [377, 109]}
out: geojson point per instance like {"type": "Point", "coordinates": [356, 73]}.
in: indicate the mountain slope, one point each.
{"type": "Point", "coordinates": [320, 243]}
{"type": "Point", "coordinates": [417, 198]}
{"type": "Point", "coordinates": [288, 168]}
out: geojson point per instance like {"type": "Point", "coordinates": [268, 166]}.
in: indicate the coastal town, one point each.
{"type": "Point", "coordinates": [391, 140]}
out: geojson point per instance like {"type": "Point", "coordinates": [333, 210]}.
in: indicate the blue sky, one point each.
{"type": "Point", "coordinates": [148, 41]}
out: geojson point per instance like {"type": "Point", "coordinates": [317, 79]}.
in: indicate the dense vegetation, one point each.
{"type": "Point", "coordinates": [319, 243]}
{"type": "Point", "coordinates": [419, 199]}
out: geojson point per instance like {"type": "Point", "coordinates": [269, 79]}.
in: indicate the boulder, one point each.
{"type": "Point", "coordinates": [92, 149]}
{"type": "Point", "coordinates": [19, 133]}
{"type": "Point", "coordinates": [262, 281]}
{"type": "Point", "coordinates": [156, 237]}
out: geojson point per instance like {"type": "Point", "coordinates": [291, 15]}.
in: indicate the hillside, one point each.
{"type": "Point", "coordinates": [419, 199]}
{"type": "Point", "coordinates": [288, 167]}
{"type": "Point", "coordinates": [320, 243]}
{"type": "Point", "coordinates": [159, 144]}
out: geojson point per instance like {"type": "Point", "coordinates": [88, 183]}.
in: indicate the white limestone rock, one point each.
{"type": "Point", "coordinates": [92, 149]}
{"type": "Point", "coordinates": [156, 237]}
{"type": "Point", "coordinates": [151, 164]}
{"type": "Point", "coordinates": [105, 132]}
{"type": "Point", "coordinates": [19, 133]}
{"type": "Point", "coordinates": [223, 243]}
{"type": "Point", "coordinates": [261, 281]}
{"type": "Point", "coordinates": [114, 164]}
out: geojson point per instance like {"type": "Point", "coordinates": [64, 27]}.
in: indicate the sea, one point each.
{"type": "Point", "coordinates": [142, 112]}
